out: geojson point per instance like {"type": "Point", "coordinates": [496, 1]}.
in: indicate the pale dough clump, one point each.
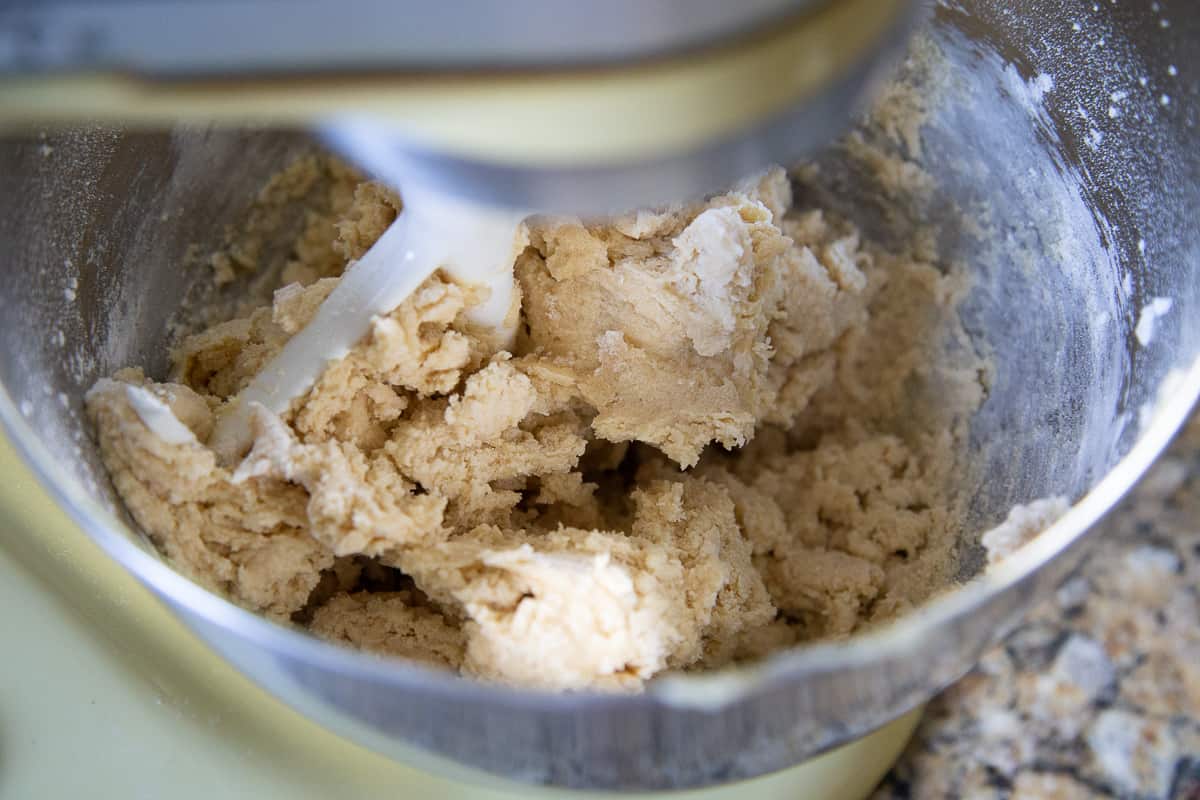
{"type": "Point", "coordinates": [1023, 524]}
{"type": "Point", "coordinates": [712, 439]}
{"type": "Point", "coordinates": [731, 306]}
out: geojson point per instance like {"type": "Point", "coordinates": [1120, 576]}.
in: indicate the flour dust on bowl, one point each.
{"type": "Point", "coordinates": [1045, 149]}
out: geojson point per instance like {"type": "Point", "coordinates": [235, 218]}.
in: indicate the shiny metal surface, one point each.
{"type": "Point", "coordinates": [1074, 153]}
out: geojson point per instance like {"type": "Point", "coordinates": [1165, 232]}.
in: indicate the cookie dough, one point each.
{"type": "Point", "coordinates": [1023, 524]}
{"type": "Point", "coordinates": [713, 438]}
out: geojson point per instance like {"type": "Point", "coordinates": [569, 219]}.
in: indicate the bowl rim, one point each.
{"type": "Point", "coordinates": [1177, 395]}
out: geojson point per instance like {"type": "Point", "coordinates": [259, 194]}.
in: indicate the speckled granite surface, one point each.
{"type": "Point", "coordinates": [1098, 695]}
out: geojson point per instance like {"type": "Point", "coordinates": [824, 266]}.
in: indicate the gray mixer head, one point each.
{"type": "Point", "coordinates": [668, 100]}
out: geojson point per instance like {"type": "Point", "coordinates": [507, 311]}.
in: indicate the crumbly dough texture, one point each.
{"type": "Point", "coordinates": [1023, 524]}
{"type": "Point", "coordinates": [711, 440]}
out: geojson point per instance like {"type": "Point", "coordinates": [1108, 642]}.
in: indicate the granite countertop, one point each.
{"type": "Point", "coordinates": [1098, 694]}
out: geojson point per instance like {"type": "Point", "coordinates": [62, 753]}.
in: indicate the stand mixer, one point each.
{"type": "Point", "coordinates": [535, 119]}
{"type": "Point", "coordinates": [594, 114]}
{"type": "Point", "coordinates": [575, 109]}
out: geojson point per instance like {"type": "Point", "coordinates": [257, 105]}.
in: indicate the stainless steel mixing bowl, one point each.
{"type": "Point", "coordinates": [1065, 130]}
